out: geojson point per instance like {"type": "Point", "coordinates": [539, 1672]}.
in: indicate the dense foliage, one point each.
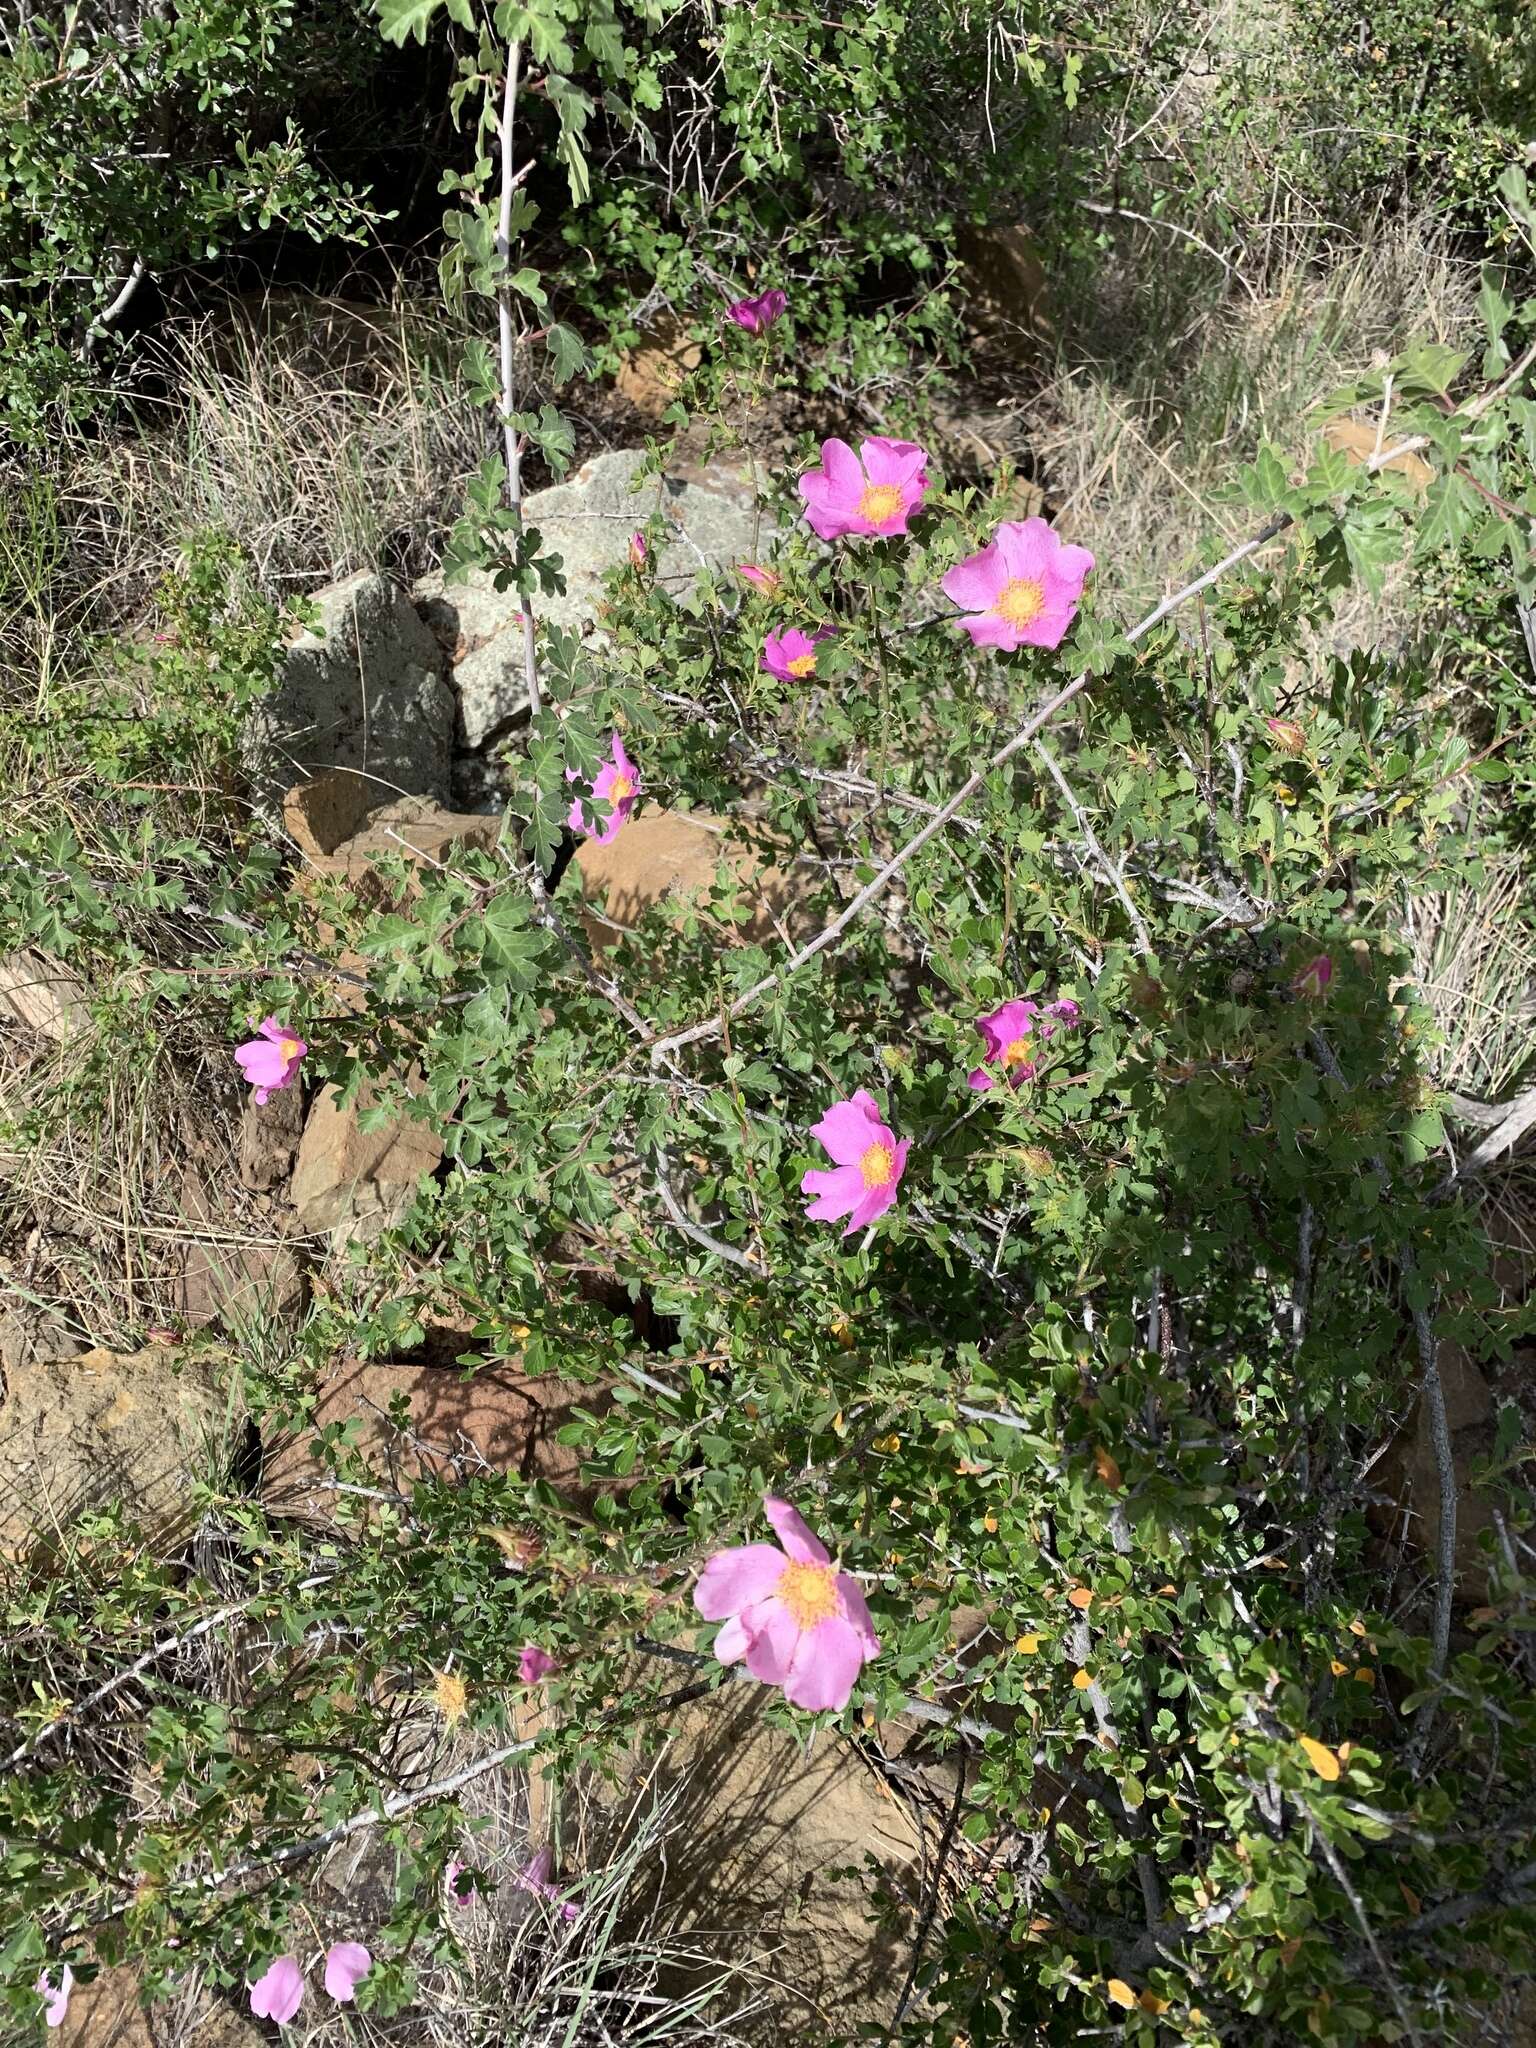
{"type": "Point", "coordinates": [1104, 1383]}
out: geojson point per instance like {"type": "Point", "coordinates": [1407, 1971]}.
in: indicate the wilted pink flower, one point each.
{"type": "Point", "coordinates": [347, 1963]}
{"type": "Point", "coordinates": [638, 551]}
{"type": "Point", "coordinates": [535, 1664]}
{"type": "Point", "coordinates": [535, 1877]}
{"type": "Point", "coordinates": [765, 579]}
{"type": "Point", "coordinates": [271, 1059]}
{"type": "Point", "coordinates": [617, 785]}
{"type": "Point", "coordinates": [55, 1997]}
{"type": "Point", "coordinates": [279, 1992]}
{"type": "Point", "coordinates": [461, 1895]}
{"type": "Point", "coordinates": [1010, 1034]}
{"type": "Point", "coordinates": [868, 1164]}
{"type": "Point", "coordinates": [1286, 734]}
{"type": "Point", "coordinates": [873, 492]}
{"type": "Point", "coordinates": [1022, 589]}
{"type": "Point", "coordinates": [799, 1622]}
{"type": "Point", "coordinates": [759, 314]}
{"type": "Point", "coordinates": [791, 655]}
{"type": "Point", "coordinates": [1314, 978]}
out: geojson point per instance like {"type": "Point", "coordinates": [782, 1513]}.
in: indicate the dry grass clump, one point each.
{"type": "Point", "coordinates": [324, 436]}
{"type": "Point", "coordinates": [1160, 393]}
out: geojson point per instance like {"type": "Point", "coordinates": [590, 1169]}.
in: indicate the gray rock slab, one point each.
{"type": "Point", "coordinates": [370, 697]}
{"type": "Point", "coordinates": [713, 519]}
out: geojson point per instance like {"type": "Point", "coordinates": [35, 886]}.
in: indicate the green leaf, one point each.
{"type": "Point", "coordinates": [401, 18]}
{"type": "Point", "coordinates": [568, 353]}
{"type": "Point", "coordinates": [1449, 511]}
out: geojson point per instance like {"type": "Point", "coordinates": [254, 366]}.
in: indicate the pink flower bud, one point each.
{"type": "Point", "coordinates": [1286, 735]}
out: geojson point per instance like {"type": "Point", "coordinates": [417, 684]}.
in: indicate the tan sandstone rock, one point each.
{"type": "Point", "coordinates": [670, 855]}
{"type": "Point", "coordinates": [355, 1181]}
{"type": "Point", "coordinates": [77, 1432]}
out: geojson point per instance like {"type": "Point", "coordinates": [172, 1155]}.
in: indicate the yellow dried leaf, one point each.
{"type": "Point", "coordinates": [989, 1523]}
{"type": "Point", "coordinates": [1150, 2002]}
{"type": "Point", "coordinates": [1321, 1758]}
{"type": "Point", "coordinates": [1365, 1675]}
{"type": "Point", "coordinates": [1411, 1899]}
{"type": "Point", "coordinates": [1357, 1628]}
{"type": "Point", "coordinates": [888, 1444]}
{"type": "Point", "coordinates": [451, 1695]}
{"type": "Point", "coordinates": [1082, 1680]}
{"type": "Point", "coordinates": [1107, 1469]}
{"type": "Point", "coordinates": [1080, 1598]}
{"type": "Point", "coordinates": [1290, 1950]}
{"type": "Point", "coordinates": [1337, 1668]}
{"type": "Point", "coordinates": [1027, 1645]}
{"type": "Point", "coordinates": [1120, 1993]}
{"type": "Point", "coordinates": [842, 1330]}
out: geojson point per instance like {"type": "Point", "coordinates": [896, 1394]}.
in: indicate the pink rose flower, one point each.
{"type": "Point", "coordinates": [758, 315]}
{"type": "Point", "coordinates": [55, 1997]}
{"type": "Point", "coordinates": [535, 1877]}
{"type": "Point", "coordinates": [270, 1061]}
{"type": "Point", "coordinates": [461, 1895]}
{"type": "Point", "coordinates": [765, 579]}
{"type": "Point", "coordinates": [535, 1664]}
{"type": "Point", "coordinates": [1314, 978]}
{"type": "Point", "coordinates": [791, 655]}
{"type": "Point", "coordinates": [1010, 1035]}
{"type": "Point", "coordinates": [1022, 589]}
{"type": "Point", "coordinates": [279, 1992]}
{"type": "Point", "coordinates": [617, 785]}
{"type": "Point", "coordinates": [347, 1963]}
{"type": "Point", "coordinates": [873, 492]}
{"type": "Point", "coordinates": [868, 1163]}
{"type": "Point", "coordinates": [799, 1622]}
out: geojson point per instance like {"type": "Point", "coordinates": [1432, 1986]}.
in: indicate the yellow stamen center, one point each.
{"type": "Point", "coordinates": [1022, 600]}
{"type": "Point", "coordinates": [619, 788]}
{"type": "Point", "coordinates": [879, 503]}
{"type": "Point", "coordinates": [801, 665]}
{"type": "Point", "coordinates": [1016, 1052]}
{"type": "Point", "coordinates": [809, 1591]}
{"type": "Point", "coordinates": [877, 1166]}
{"type": "Point", "coordinates": [289, 1048]}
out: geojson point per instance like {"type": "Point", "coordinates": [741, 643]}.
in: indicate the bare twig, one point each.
{"type": "Point", "coordinates": [696, 1231]}
{"type": "Point", "coordinates": [511, 444]}
{"type": "Point", "coordinates": [1514, 1120]}
{"type": "Point", "coordinates": [1107, 868]}
{"type": "Point", "coordinates": [111, 314]}
{"type": "Point", "coordinates": [152, 1655]}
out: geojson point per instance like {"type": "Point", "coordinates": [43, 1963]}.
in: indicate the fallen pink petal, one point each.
{"type": "Point", "coordinates": [347, 1963]}
{"type": "Point", "coordinates": [868, 1161]}
{"type": "Point", "coordinates": [873, 493]}
{"type": "Point", "coordinates": [55, 1996]}
{"type": "Point", "coordinates": [791, 655]}
{"type": "Point", "coordinates": [278, 1992]}
{"type": "Point", "coordinates": [270, 1060]}
{"type": "Point", "coordinates": [536, 1876]}
{"type": "Point", "coordinates": [461, 1889]}
{"type": "Point", "coordinates": [758, 314]}
{"type": "Point", "coordinates": [798, 1621]}
{"type": "Point", "coordinates": [534, 1664]}
{"type": "Point", "coordinates": [1022, 589]}
{"type": "Point", "coordinates": [617, 785]}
